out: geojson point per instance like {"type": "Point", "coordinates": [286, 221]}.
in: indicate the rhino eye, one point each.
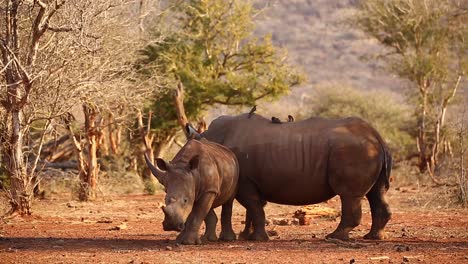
{"type": "Point", "coordinates": [170, 200]}
{"type": "Point", "coordinates": [185, 200]}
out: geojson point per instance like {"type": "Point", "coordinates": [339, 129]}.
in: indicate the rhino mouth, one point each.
{"type": "Point", "coordinates": [173, 226]}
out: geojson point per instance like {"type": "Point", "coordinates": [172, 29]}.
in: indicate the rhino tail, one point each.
{"type": "Point", "coordinates": [387, 167]}
{"type": "Point", "coordinates": [387, 162]}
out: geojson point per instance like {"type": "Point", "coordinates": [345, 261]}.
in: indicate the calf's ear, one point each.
{"type": "Point", "coordinates": [193, 163]}
{"type": "Point", "coordinates": [161, 164]}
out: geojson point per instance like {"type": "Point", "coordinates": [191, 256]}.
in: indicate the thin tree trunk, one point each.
{"type": "Point", "coordinates": [179, 104]}
{"type": "Point", "coordinates": [115, 134]}
{"type": "Point", "coordinates": [164, 146]}
{"type": "Point", "coordinates": [82, 164]}
{"type": "Point", "coordinates": [21, 187]}
{"type": "Point", "coordinates": [421, 140]}
{"type": "Point", "coordinates": [147, 138]}
{"type": "Point", "coordinates": [440, 123]}
{"type": "Point", "coordinates": [89, 183]}
{"type": "Point", "coordinates": [462, 184]}
{"type": "Point", "coordinates": [104, 142]}
{"type": "Point", "coordinates": [201, 125]}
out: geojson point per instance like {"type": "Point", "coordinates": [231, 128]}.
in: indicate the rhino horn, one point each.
{"type": "Point", "coordinates": [191, 132]}
{"type": "Point", "coordinates": [157, 172]}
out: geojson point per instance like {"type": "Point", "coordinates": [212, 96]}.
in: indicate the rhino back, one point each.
{"type": "Point", "coordinates": [289, 162]}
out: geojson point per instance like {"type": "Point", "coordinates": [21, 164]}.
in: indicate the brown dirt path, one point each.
{"type": "Point", "coordinates": [65, 231]}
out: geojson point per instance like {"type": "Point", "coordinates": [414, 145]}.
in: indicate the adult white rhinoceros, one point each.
{"type": "Point", "coordinates": [307, 162]}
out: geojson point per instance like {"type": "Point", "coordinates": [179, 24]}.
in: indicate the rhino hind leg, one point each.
{"type": "Point", "coordinates": [380, 211]}
{"type": "Point", "coordinates": [248, 229]}
{"type": "Point", "coordinates": [350, 217]}
{"type": "Point", "coordinates": [210, 226]}
{"type": "Point", "coordinates": [227, 233]}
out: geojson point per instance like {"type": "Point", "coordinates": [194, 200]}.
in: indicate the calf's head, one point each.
{"type": "Point", "coordinates": [179, 184]}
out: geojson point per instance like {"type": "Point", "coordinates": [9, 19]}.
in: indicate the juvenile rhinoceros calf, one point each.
{"type": "Point", "coordinates": [202, 176]}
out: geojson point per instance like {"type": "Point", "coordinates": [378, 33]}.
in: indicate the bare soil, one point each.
{"type": "Point", "coordinates": [128, 229]}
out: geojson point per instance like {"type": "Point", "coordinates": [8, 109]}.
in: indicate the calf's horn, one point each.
{"type": "Point", "coordinates": [158, 173]}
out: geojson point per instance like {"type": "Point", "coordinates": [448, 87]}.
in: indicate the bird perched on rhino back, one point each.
{"type": "Point", "coordinates": [275, 120]}
{"type": "Point", "coordinates": [252, 111]}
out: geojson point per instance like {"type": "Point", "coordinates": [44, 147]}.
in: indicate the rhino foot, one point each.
{"type": "Point", "coordinates": [375, 235]}
{"type": "Point", "coordinates": [259, 236]}
{"type": "Point", "coordinates": [188, 239]}
{"type": "Point", "coordinates": [244, 235]}
{"type": "Point", "coordinates": [338, 235]}
{"type": "Point", "coordinates": [209, 237]}
{"type": "Point", "coordinates": [227, 236]}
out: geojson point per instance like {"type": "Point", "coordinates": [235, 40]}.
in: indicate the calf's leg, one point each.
{"type": "Point", "coordinates": [210, 226]}
{"type": "Point", "coordinates": [201, 208]}
{"type": "Point", "coordinates": [227, 233]}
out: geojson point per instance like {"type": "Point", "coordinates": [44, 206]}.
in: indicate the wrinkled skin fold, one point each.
{"type": "Point", "coordinates": [307, 162]}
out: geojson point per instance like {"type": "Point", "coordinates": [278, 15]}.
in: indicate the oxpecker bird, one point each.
{"type": "Point", "coordinates": [252, 111]}
{"type": "Point", "coordinates": [275, 120]}
{"type": "Point", "coordinates": [290, 118]}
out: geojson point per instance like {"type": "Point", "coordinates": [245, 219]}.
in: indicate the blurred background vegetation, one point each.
{"type": "Point", "coordinates": [399, 64]}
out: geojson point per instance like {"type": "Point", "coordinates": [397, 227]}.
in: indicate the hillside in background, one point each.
{"type": "Point", "coordinates": [321, 43]}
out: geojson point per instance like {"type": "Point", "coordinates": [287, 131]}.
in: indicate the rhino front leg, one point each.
{"type": "Point", "coordinates": [258, 222]}
{"type": "Point", "coordinates": [227, 233]}
{"type": "Point", "coordinates": [190, 236]}
{"type": "Point", "coordinates": [210, 226]}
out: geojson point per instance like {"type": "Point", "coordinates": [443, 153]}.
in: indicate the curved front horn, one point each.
{"type": "Point", "coordinates": [158, 173]}
{"type": "Point", "coordinates": [191, 132]}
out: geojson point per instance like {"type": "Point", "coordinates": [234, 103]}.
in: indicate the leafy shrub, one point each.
{"type": "Point", "coordinates": [382, 110]}
{"type": "Point", "coordinates": [150, 187]}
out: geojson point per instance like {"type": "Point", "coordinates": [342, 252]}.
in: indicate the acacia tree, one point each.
{"type": "Point", "coordinates": [112, 97]}
{"type": "Point", "coordinates": [52, 57]}
{"type": "Point", "coordinates": [25, 74]}
{"type": "Point", "coordinates": [426, 44]}
{"type": "Point", "coordinates": [210, 56]}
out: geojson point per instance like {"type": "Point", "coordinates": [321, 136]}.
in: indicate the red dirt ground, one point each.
{"type": "Point", "coordinates": [65, 231]}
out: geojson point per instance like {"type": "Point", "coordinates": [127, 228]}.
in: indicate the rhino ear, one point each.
{"type": "Point", "coordinates": [191, 132]}
{"type": "Point", "coordinates": [159, 171]}
{"type": "Point", "coordinates": [161, 164]}
{"type": "Point", "coordinates": [193, 163]}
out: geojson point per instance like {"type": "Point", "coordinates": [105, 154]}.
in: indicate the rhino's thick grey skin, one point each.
{"type": "Point", "coordinates": [307, 162]}
{"type": "Point", "coordinates": [202, 176]}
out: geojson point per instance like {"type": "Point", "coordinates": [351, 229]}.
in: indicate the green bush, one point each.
{"type": "Point", "coordinates": [392, 118]}
{"type": "Point", "coordinates": [150, 187]}
{"type": "Point", "coordinates": [4, 181]}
